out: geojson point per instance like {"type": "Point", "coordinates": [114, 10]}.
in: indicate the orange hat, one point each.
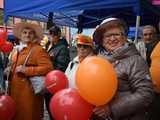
{"type": "Point", "coordinates": [84, 40]}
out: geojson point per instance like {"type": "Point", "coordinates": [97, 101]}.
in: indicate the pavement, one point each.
{"type": "Point", "coordinates": [46, 116]}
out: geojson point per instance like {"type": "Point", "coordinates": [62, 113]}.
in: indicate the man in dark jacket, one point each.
{"type": "Point", "coordinates": [150, 40]}
{"type": "Point", "coordinates": [59, 54]}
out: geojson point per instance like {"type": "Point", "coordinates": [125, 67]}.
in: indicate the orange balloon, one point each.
{"type": "Point", "coordinates": [155, 74]}
{"type": "Point", "coordinates": [96, 80]}
{"type": "Point", "coordinates": [155, 67]}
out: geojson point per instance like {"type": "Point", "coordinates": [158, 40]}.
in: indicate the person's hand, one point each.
{"type": "Point", "coordinates": [7, 70]}
{"type": "Point", "coordinates": [20, 69]}
{"type": "Point", "coordinates": [51, 55]}
{"type": "Point", "coordinates": [102, 111]}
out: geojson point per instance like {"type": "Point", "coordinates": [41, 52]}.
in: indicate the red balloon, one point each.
{"type": "Point", "coordinates": [67, 104]}
{"type": "Point", "coordinates": [7, 107]}
{"type": "Point", "coordinates": [6, 47]}
{"type": "Point", "coordinates": [55, 81]}
{"type": "Point", "coordinates": [3, 37]}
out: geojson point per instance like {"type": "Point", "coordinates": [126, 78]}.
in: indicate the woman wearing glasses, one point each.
{"type": "Point", "coordinates": [135, 90]}
{"type": "Point", "coordinates": [84, 48]}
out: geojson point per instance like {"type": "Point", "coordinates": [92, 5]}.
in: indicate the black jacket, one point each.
{"type": "Point", "coordinates": [59, 55]}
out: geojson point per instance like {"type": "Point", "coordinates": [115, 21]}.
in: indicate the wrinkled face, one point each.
{"type": "Point", "coordinates": [148, 35]}
{"type": "Point", "coordinates": [27, 35]}
{"type": "Point", "coordinates": [113, 39]}
{"type": "Point", "coordinates": [83, 50]}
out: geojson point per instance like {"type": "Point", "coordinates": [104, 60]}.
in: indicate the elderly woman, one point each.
{"type": "Point", "coordinates": [28, 105]}
{"type": "Point", "coordinates": [135, 90]}
{"type": "Point", "coordinates": [84, 48]}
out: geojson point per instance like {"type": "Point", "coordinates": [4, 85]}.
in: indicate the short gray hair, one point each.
{"type": "Point", "coordinates": [149, 27]}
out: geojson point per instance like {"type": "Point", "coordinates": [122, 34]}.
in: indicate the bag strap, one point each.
{"type": "Point", "coordinates": [28, 56]}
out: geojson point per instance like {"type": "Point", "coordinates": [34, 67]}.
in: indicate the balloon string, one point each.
{"type": "Point", "coordinates": [52, 85]}
{"type": "Point", "coordinates": [6, 87]}
{"type": "Point", "coordinates": [7, 82]}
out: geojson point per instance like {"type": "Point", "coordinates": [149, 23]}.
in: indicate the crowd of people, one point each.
{"type": "Point", "coordinates": [136, 98]}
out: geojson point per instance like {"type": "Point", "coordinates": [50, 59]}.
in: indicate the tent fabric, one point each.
{"type": "Point", "coordinates": [80, 13]}
{"type": "Point", "coordinates": [29, 6]}
{"type": "Point", "coordinates": [63, 19]}
{"type": "Point", "coordinates": [39, 9]}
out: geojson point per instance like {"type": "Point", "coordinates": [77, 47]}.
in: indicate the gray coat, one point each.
{"type": "Point", "coordinates": [135, 90]}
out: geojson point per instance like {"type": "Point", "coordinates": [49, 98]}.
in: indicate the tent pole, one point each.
{"type": "Point", "coordinates": [137, 27]}
{"type": "Point", "coordinates": [50, 22]}
{"type": "Point", "coordinates": [5, 27]}
{"type": "Point", "coordinates": [139, 43]}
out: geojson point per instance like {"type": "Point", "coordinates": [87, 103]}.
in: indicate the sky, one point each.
{"type": "Point", "coordinates": [89, 32]}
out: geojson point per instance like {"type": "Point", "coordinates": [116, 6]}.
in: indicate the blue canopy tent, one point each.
{"type": "Point", "coordinates": [80, 13]}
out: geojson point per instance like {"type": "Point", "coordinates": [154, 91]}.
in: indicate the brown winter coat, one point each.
{"type": "Point", "coordinates": [28, 105]}
{"type": "Point", "coordinates": [135, 90]}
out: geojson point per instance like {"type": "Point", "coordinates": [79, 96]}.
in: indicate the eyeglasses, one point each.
{"type": "Point", "coordinates": [83, 46]}
{"type": "Point", "coordinates": [116, 35]}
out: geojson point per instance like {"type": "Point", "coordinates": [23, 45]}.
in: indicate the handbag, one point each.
{"type": "Point", "coordinates": [36, 81]}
